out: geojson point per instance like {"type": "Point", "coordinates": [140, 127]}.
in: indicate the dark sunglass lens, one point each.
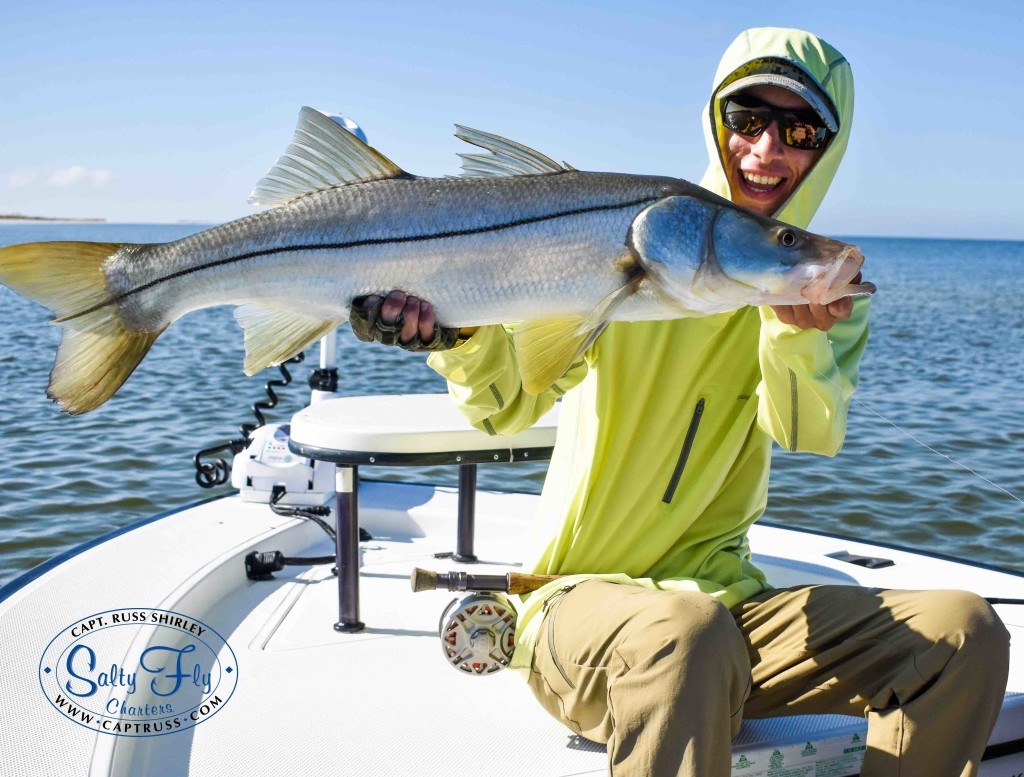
{"type": "Point", "coordinates": [804, 135]}
{"type": "Point", "coordinates": [746, 121]}
{"type": "Point", "coordinates": [750, 116]}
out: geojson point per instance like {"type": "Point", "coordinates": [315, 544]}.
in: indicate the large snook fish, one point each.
{"type": "Point", "coordinates": [519, 238]}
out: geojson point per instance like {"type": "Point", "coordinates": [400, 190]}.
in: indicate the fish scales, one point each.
{"type": "Point", "coordinates": [522, 239]}
{"type": "Point", "coordinates": [523, 246]}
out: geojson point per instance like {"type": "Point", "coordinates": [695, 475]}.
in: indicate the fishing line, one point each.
{"type": "Point", "coordinates": [921, 442]}
{"type": "Point", "coordinates": [938, 453]}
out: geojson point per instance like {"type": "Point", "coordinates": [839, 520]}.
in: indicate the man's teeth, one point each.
{"type": "Point", "coordinates": [762, 180]}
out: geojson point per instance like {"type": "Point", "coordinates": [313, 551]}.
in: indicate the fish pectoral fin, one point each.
{"type": "Point", "coordinates": [274, 336]}
{"type": "Point", "coordinates": [547, 348]}
{"type": "Point", "coordinates": [598, 317]}
{"type": "Point", "coordinates": [506, 157]}
{"type": "Point", "coordinates": [322, 155]}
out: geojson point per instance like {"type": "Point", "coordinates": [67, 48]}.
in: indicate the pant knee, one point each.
{"type": "Point", "coordinates": [692, 633]}
{"type": "Point", "coordinates": [983, 633]}
{"type": "Point", "coordinates": [967, 619]}
{"type": "Point", "coordinates": [969, 625]}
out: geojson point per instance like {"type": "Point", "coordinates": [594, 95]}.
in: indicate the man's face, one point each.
{"type": "Point", "coordinates": [763, 172]}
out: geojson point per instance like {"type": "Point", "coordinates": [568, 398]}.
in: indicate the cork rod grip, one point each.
{"type": "Point", "coordinates": [522, 583]}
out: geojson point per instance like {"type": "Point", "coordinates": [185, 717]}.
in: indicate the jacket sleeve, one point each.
{"type": "Point", "coordinates": [483, 380]}
{"type": "Point", "coordinates": [807, 380]}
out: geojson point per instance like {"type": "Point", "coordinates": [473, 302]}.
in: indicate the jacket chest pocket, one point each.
{"type": "Point", "coordinates": [684, 453]}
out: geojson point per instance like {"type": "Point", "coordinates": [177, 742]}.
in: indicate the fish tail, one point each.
{"type": "Point", "coordinates": [97, 352]}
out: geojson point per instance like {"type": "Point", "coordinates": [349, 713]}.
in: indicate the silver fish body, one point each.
{"type": "Point", "coordinates": [482, 250]}
{"type": "Point", "coordinates": [522, 239]}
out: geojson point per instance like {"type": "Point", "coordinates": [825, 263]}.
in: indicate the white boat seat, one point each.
{"type": "Point", "coordinates": [409, 429]}
{"type": "Point", "coordinates": [403, 430]}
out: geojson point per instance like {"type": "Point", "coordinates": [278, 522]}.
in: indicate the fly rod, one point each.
{"type": "Point", "coordinates": [510, 582]}
{"type": "Point", "coordinates": [478, 632]}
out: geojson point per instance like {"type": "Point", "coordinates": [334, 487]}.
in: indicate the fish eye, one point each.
{"type": "Point", "coordinates": [787, 238]}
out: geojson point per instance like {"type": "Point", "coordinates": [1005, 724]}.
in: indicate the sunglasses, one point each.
{"type": "Point", "coordinates": [749, 116]}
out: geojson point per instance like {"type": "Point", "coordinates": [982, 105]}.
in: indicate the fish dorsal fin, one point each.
{"type": "Point", "coordinates": [322, 155]}
{"type": "Point", "coordinates": [274, 336]}
{"type": "Point", "coordinates": [506, 157]}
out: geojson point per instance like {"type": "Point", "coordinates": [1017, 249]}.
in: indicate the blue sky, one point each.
{"type": "Point", "coordinates": [160, 112]}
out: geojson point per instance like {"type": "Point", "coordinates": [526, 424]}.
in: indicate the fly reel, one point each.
{"type": "Point", "coordinates": [478, 633]}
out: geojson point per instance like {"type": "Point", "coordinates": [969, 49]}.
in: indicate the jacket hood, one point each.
{"type": "Point", "coordinates": [827, 68]}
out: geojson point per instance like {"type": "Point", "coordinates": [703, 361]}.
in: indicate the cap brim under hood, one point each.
{"type": "Point", "coordinates": [829, 71]}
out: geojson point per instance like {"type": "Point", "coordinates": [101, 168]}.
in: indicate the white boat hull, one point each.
{"type": "Point", "coordinates": [310, 700]}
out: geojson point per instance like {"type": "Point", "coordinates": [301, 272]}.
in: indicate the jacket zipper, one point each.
{"type": "Point", "coordinates": [684, 454]}
{"type": "Point", "coordinates": [559, 595]}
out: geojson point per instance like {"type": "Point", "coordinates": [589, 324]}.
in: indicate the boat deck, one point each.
{"type": "Point", "coordinates": [310, 700]}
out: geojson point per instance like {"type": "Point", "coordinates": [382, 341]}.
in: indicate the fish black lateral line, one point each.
{"type": "Point", "coordinates": [354, 244]}
{"type": "Point", "coordinates": [517, 239]}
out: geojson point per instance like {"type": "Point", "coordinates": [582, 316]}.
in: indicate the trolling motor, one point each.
{"type": "Point", "coordinates": [478, 632]}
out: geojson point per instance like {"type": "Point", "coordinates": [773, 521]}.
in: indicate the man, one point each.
{"type": "Point", "coordinates": [664, 636]}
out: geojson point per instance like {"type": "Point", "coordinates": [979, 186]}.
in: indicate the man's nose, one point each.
{"type": "Point", "coordinates": [769, 144]}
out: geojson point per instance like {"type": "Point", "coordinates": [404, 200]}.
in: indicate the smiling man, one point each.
{"type": "Point", "coordinates": [662, 636]}
{"type": "Point", "coordinates": [777, 123]}
{"type": "Point", "coordinates": [775, 137]}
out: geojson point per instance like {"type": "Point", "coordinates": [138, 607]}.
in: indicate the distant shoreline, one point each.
{"type": "Point", "coordinates": [19, 217]}
{"type": "Point", "coordinates": [849, 237]}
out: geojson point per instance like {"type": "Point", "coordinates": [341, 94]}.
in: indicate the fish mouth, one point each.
{"type": "Point", "coordinates": [841, 279]}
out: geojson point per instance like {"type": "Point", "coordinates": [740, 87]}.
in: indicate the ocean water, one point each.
{"type": "Point", "coordinates": [934, 457]}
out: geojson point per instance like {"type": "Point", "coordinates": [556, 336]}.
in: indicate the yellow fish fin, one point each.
{"type": "Point", "coordinates": [274, 336]}
{"type": "Point", "coordinates": [95, 357]}
{"type": "Point", "coordinates": [66, 277]}
{"type": "Point", "coordinates": [96, 353]}
{"type": "Point", "coordinates": [546, 349]}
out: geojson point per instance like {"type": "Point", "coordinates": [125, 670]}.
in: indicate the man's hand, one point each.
{"type": "Point", "coordinates": [402, 320]}
{"type": "Point", "coordinates": [813, 316]}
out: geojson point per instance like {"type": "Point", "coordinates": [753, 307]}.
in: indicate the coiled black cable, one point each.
{"type": "Point", "coordinates": [217, 472]}
{"type": "Point", "coordinates": [271, 401]}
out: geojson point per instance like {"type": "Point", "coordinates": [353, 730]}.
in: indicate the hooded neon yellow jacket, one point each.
{"type": "Point", "coordinates": [664, 440]}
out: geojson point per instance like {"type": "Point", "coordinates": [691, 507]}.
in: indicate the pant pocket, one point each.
{"type": "Point", "coordinates": [574, 694]}
{"type": "Point", "coordinates": [552, 688]}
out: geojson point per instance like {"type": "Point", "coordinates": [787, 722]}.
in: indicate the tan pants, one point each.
{"type": "Point", "coordinates": [665, 678]}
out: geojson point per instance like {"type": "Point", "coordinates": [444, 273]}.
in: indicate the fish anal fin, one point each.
{"type": "Point", "coordinates": [322, 155]}
{"type": "Point", "coordinates": [547, 348]}
{"type": "Point", "coordinates": [273, 336]}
